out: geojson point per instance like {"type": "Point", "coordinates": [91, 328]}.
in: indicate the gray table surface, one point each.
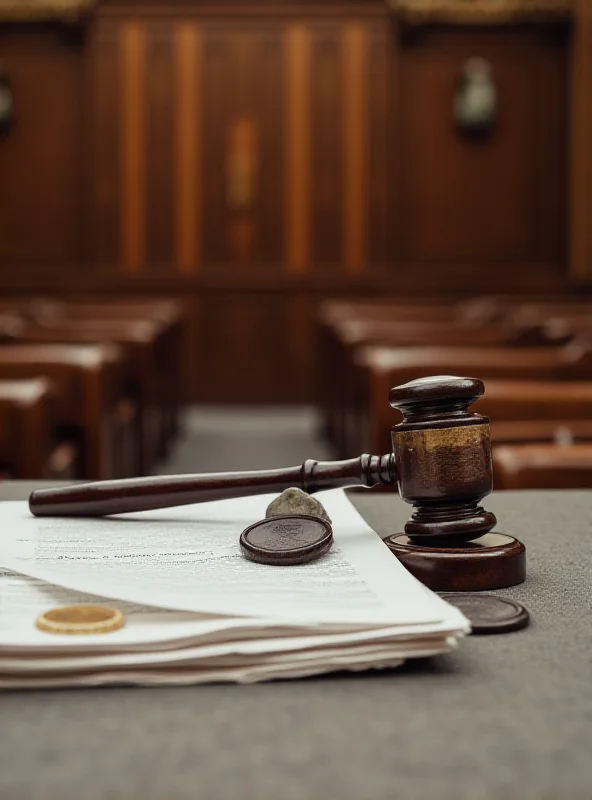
{"type": "Point", "coordinates": [502, 717]}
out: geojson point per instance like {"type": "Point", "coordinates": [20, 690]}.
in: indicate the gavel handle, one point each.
{"type": "Point", "coordinates": [143, 494]}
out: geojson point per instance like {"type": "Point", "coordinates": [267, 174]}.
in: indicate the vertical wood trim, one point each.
{"type": "Point", "coordinates": [297, 200]}
{"type": "Point", "coordinates": [133, 50]}
{"type": "Point", "coordinates": [188, 147]}
{"type": "Point", "coordinates": [355, 112]}
{"type": "Point", "coordinates": [580, 216]}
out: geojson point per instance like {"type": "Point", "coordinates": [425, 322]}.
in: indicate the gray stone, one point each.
{"type": "Point", "coordinates": [295, 501]}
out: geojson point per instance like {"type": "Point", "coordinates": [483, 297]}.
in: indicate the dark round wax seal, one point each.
{"type": "Point", "coordinates": [487, 613]}
{"type": "Point", "coordinates": [287, 539]}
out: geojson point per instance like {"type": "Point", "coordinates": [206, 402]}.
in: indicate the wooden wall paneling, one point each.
{"type": "Point", "coordinates": [268, 85]}
{"type": "Point", "coordinates": [132, 115]}
{"type": "Point", "coordinates": [219, 109]}
{"type": "Point", "coordinates": [242, 135]}
{"type": "Point", "coordinates": [241, 177]}
{"type": "Point", "coordinates": [248, 173]}
{"type": "Point", "coordinates": [382, 109]}
{"type": "Point", "coordinates": [355, 106]}
{"type": "Point", "coordinates": [301, 344]}
{"type": "Point", "coordinates": [159, 123]}
{"type": "Point", "coordinates": [243, 348]}
{"type": "Point", "coordinates": [298, 149]}
{"type": "Point", "coordinates": [87, 151]}
{"type": "Point", "coordinates": [580, 142]}
{"type": "Point", "coordinates": [344, 132]}
{"type": "Point", "coordinates": [550, 197]}
{"type": "Point", "coordinates": [327, 146]}
{"type": "Point", "coordinates": [192, 347]}
{"type": "Point", "coordinates": [188, 152]}
{"type": "Point", "coordinates": [104, 136]}
{"type": "Point", "coordinates": [40, 156]}
{"type": "Point", "coordinates": [475, 200]}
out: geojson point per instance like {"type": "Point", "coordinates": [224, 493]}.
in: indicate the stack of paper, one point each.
{"type": "Point", "coordinates": [197, 610]}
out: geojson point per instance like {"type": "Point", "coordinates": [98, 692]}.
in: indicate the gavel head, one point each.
{"type": "Point", "coordinates": [443, 457]}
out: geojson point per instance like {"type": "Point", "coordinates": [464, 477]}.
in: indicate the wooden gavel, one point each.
{"type": "Point", "coordinates": [441, 464]}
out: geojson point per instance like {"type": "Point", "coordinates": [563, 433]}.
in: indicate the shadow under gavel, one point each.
{"type": "Point", "coordinates": [441, 465]}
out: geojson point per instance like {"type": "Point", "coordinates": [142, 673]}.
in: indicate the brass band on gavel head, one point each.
{"type": "Point", "coordinates": [441, 463]}
{"type": "Point", "coordinates": [443, 456]}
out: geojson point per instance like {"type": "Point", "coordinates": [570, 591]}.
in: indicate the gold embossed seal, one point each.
{"type": "Point", "coordinates": [81, 619]}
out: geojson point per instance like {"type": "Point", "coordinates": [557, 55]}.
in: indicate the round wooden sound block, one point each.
{"type": "Point", "coordinates": [492, 562]}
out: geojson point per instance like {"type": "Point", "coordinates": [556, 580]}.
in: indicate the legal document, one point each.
{"type": "Point", "coordinates": [197, 610]}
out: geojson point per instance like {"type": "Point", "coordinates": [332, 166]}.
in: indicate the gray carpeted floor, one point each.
{"type": "Point", "coordinates": [235, 438]}
{"type": "Point", "coordinates": [503, 718]}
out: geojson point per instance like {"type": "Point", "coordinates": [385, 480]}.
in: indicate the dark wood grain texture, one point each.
{"type": "Point", "coordinates": [443, 456]}
{"type": "Point", "coordinates": [464, 198]}
{"type": "Point", "coordinates": [40, 157]}
{"type": "Point", "coordinates": [139, 494]}
{"type": "Point", "coordinates": [339, 125]}
{"type": "Point", "coordinates": [493, 562]}
{"type": "Point", "coordinates": [30, 442]}
{"type": "Point", "coordinates": [580, 129]}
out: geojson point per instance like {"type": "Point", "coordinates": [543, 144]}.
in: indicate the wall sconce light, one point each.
{"type": "Point", "coordinates": [475, 99]}
{"type": "Point", "coordinates": [6, 103]}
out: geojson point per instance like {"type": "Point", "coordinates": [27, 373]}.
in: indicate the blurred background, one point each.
{"type": "Point", "coordinates": [205, 187]}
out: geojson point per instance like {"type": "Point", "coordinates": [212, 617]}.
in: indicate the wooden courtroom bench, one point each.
{"type": "Point", "coordinates": [351, 334]}
{"type": "Point", "coordinates": [169, 318]}
{"type": "Point", "coordinates": [93, 409]}
{"type": "Point", "coordinates": [498, 307]}
{"type": "Point", "coordinates": [342, 326]}
{"type": "Point", "coordinates": [369, 417]}
{"type": "Point", "coordinates": [551, 431]}
{"type": "Point", "coordinates": [30, 442]}
{"type": "Point", "coordinates": [144, 378]}
{"type": "Point", "coordinates": [537, 411]}
{"type": "Point", "coordinates": [11, 325]}
{"type": "Point", "coordinates": [332, 313]}
{"type": "Point", "coordinates": [577, 325]}
{"type": "Point", "coordinates": [480, 310]}
{"type": "Point", "coordinates": [543, 466]}
{"type": "Point", "coordinates": [535, 400]}
{"type": "Point", "coordinates": [530, 313]}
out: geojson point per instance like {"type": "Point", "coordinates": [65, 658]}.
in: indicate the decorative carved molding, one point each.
{"type": "Point", "coordinates": [36, 10]}
{"type": "Point", "coordinates": [481, 12]}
